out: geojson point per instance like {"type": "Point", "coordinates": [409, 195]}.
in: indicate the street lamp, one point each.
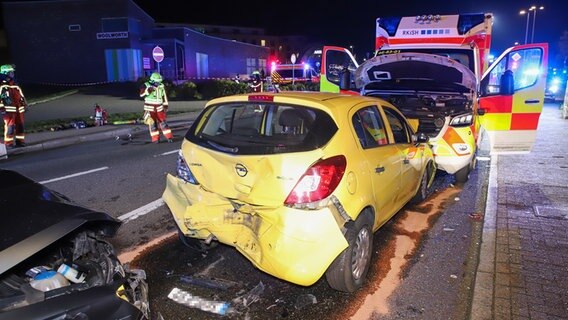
{"type": "Point", "coordinates": [527, 27]}
{"type": "Point", "coordinates": [533, 8]}
{"type": "Point", "coordinates": [528, 13]}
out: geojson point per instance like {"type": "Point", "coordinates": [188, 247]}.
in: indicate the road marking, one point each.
{"type": "Point", "coordinates": [168, 153]}
{"type": "Point", "coordinates": [73, 175]}
{"type": "Point", "coordinates": [483, 158]}
{"type": "Point", "coordinates": [142, 210]}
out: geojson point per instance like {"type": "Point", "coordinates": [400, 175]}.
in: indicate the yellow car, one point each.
{"type": "Point", "coordinates": [298, 181]}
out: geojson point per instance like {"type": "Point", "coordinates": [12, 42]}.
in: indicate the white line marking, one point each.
{"type": "Point", "coordinates": [142, 210]}
{"type": "Point", "coordinates": [73, 175]}
{"type": "Point", "coordinates": [167, 153]}
{"type": "Point", "coordinates": [483, 158]}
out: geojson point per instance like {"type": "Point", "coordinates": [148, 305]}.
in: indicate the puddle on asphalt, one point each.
{"type": "Point", "coordinates": [408, 231]}
{"type": "Point", "coordinates": [128, 256]}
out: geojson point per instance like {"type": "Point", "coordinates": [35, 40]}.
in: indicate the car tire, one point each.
{"type": "Point", "coordinates": [462, 175]}
{"type": "Point", "coordinates": [195, 244]}
{"type": "Point", "coordinates": [422, 191]}
{"type": "Point", "coordinates": [348, 271]}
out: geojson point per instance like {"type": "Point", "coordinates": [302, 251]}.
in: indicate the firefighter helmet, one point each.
{"type": "Point", "coordinates": [6, 68]}
{"type": "Point", "coordinates": [156, 78]}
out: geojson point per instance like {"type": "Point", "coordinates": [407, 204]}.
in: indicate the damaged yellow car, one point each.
{"type": "Point", "coordinates": [298, 181]}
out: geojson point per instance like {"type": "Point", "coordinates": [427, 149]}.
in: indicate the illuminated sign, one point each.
{"type": "Point", "coordinates": [112, 35]}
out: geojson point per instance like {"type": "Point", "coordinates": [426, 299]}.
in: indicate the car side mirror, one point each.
{"type": "Point", "coordinates": [481, 111]}
{"type": "Point", "coordinates": [507, 84]}
{"type": "Point", "coordinates": [345, 79]}
{"type": "Point", "coordinates": [421, 137]}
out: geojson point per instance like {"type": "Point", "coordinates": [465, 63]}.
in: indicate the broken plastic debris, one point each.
{"type": "Point", "coordinates": [453, 276]}
{"type": "Point", "coordinates": [457, 199]}
{"type": "Point", "coordinates": [476, 216]}
{"type": "Point", "coordinates": [210, 283]}
{"type": "Point", "coordinates": [187, 299]}
{"type": "Point", "coordinates": [305, 300]}
{"type": "Point", "coordinates": [448, 229]}
{"type": "Point", "coordinates": [252, 296]}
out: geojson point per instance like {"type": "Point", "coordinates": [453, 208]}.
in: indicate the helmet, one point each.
{"type": "Point", "coordinates": [156, 77]}
{"type": "Point", "coordinates": [6, 68]}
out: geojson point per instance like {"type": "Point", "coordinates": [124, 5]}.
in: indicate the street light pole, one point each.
{"type": "Point", "coordinates": [527, 27]}
{"type": "Point", "coordinates": [534, 20]}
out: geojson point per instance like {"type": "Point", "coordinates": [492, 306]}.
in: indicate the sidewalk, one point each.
{"type": "Point", "coordinates": [523, 267]}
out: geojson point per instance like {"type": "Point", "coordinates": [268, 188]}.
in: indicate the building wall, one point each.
{"type": "Point", "coordinates": [56, 41]}
{"type": "Point", "coordinates": [90, 41]}
{"type": "Point", "coordinates": [224, 58]}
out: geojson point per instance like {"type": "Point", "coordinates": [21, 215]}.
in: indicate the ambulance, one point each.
{"type": "Point", "coordinates": [293, 73]}
{"type": "Point", "coordinates": [434, 68]}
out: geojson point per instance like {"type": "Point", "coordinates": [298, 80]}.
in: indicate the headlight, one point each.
{"type": "Point", "coordinates": [183, 171]}
{"type": "Point", "coordinates": [462, 120]}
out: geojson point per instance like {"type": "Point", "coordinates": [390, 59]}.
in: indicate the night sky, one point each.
{"type": "Point", "coordinates": [352, 22]}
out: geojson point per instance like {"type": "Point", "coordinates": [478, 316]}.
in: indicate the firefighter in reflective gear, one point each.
{"type": "Point", "coordinates": [12, 107]}
{"type": "Point", "coordinates": [155, 107]}
{"type": "Point", "coordinates": [256, 82]}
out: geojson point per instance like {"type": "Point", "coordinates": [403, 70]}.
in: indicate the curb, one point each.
{"type": "Point", "coordinates": [56, 143]}
{"type": "Point", "coordinates": [483, 291]}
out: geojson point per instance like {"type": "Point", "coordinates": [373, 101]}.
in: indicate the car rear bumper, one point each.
{"type": "Point", "coordinates": [292, 244]}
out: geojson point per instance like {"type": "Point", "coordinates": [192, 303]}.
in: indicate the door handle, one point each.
{"type": "Point", "coordinates": [532, 101]}
{"type": "Point", "coordinates": [406, 161]}
{"type": "Point", "coordinates": [379, 169]}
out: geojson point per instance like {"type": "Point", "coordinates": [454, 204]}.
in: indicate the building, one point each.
{"type": "Point", "coordinates": [76, 42]}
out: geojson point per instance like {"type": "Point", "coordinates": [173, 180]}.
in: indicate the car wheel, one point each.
{"type": "Point", "coordinates": [423, 188]}
{"type": "Point", "coordinates": [195, 244]}
{"type": "Point", "coordinates": [462, 175]}
{"type": "Point", "coordinates": [349, 270]}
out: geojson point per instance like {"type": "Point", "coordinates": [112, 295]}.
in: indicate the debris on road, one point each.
{"type": "Point", "coordinates": [252, 296]}
{"type": "Point", "coordinates": [476, 216]}
{"type": "Point", "coordinates": [211, 283]}
{"type": "Point", "coordinates": [305, 300]}
{"type": "Point", "coordinates": [449, 229]}
{"type": "Point", "coordinates": [187, 299]}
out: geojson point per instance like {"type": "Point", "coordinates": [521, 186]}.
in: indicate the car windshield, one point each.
{"type": "Point", "coordinates": [262, 128]}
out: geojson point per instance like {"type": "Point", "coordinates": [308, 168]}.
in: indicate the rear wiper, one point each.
{"type": "Point", "coordinates": [222, 148]}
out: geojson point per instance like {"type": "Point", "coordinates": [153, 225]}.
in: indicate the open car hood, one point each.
{"type": "Point", "coordinates": [33, 217]}
{"type": "Point", "coordinates": [415, 72]}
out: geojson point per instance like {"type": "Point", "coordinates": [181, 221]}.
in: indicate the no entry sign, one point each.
{"type": "Point", "coordinates": [158, 54]}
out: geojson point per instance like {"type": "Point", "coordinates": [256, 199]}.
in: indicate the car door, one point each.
{"type": "Point", "coordinates": [411, 154]}
{"type": "Point", "coordinates": [382, 160]}
{"type": "Point", "coordinates": [333, 76]}
{"type": "Point", "coordinates": [512, 96]}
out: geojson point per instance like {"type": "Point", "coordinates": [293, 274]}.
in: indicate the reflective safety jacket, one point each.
{"type": "Point", "coordinates": [155, 98]}
{"type": "Point", "coordinates": [12, 98]}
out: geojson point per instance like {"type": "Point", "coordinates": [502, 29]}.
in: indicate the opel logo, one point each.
{"type": "Point", "coordinates": [241, 170]}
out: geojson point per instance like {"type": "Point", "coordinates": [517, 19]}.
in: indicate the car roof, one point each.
{"type": "Point", "coordinates": [331, 102]}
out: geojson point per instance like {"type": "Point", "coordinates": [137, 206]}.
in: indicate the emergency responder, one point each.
{"type": "Point", "coordinates": [12, 106]}
{"type": "Point", "coordinates": [155, 107]}
{"type": "Point", "coordinates": [256, 82]}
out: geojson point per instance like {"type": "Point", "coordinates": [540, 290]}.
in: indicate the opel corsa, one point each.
{"type": "Point", "coordinates": [298, 181]}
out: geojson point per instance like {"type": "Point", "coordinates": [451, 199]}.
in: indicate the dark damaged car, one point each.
{"type": "Point", "coordinates": [55, 262]}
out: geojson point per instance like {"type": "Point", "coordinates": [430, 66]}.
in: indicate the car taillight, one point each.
{"type": "Point", "coordinates": [183, 171]}
{"type": "Point", "coordinates": [318, 182]}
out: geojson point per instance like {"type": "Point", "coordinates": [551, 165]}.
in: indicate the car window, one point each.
{"type": "Point", "coordinates": [524, 64]}
{"type": "Point", "coordinates": [262, 128]}
{"type": "Point", "coordinates": [369, 127]}
{"type": "Point", "coordinates": [399, 127]}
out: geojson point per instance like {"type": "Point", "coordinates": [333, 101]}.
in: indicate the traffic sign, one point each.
{"type": "Point", "coordinates": [158, 54]}
{"type": "Point", "coordinates": [293, 58]}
